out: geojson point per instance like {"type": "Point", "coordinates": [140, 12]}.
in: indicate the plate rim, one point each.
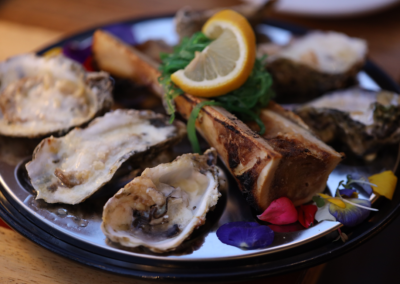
{"type": "Point", "coordinates": [28, 229]}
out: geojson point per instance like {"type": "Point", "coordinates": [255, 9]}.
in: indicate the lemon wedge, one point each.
{"type": "Point", "coordinates": [226, 63]}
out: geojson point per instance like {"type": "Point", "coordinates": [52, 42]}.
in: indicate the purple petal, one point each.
{"type": "Point", "coordinates": [77, 51]}
{"type": "Point", "coordinates": [123, 32]}
{"type": "Point", "coordinates": [347, 192]}
{"type": "Point", "coordinates": [351, 215]}
{"type": "Point", "coordinates": [245, 235]}
{"type": "Point", "coordinates": [365, 187]}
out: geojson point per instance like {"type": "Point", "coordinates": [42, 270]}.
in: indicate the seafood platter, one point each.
{"type": "Point", "coordinates": [207, 145]}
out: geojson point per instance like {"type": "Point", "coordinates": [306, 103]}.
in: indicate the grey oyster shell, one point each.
{"type": "Point", "coordinates": [40, 96]}
{"type": "Point", "coordinates": [162, 207]}
{"type": "Point", "coordinates": [364, 120]}
{"type": "Point", "coordinates": [314, 64]}
{"type": "Point", "coordinates": [72, 168]}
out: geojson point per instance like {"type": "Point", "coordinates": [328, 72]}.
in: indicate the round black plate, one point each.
{"type": "Point", "coordinates": [310, 254]}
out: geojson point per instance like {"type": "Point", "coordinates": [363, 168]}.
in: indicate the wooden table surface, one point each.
{"type": "Point", "coordinates": [29, 25]}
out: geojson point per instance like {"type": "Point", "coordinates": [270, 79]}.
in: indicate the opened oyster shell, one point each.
{"type": "Point", "coordinates": [45, 95]}
{"type": "Point", "coordinates": [163, 206]}
{"type": "Point", "coordinates": [314, 64]}
{"type": "Point", "coordinates": [71, 168]}
{"type": "Point", "coordinates": [364, 120]}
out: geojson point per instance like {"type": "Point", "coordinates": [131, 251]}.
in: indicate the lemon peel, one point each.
{"type": "Point", "coordinates": [226, 63]}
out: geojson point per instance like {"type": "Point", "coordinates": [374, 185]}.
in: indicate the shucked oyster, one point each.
{"type": "Point", "coordinates": [315, 64]}
{"type": "Point", "coordinates": [364, 120]}
{"type": "Point", "coordinates": [45, 95]}
{"type": "Point", "coordinates": [71, 168]}
{"type": "Point", "coordinates": [163, 206]}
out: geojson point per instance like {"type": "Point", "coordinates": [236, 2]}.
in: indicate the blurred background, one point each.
{"type": "Point", "coordinates": [28, 25]}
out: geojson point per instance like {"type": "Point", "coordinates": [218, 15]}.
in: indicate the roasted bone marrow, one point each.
{"type": "Point", "coordinates": [250, 158]}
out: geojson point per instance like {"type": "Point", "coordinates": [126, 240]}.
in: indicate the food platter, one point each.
{"type": "Point", "coordinates": [75, 232]}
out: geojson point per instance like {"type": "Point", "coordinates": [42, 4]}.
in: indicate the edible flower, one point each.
{"type": "Point", "coordinates": [359, 181]}
{"type": "Point", "coordinates": [347, 192]}
{"type": "Point", "coordinates": [384, 183]}
{"type": "Point", "coordinates": [281, 211]}
{"type": "Point", "coordinates": [306, 214]}
{"type": "Point", "coordinates": [351, 215]}
{"type": "Point", "coordinates": [245, 235]}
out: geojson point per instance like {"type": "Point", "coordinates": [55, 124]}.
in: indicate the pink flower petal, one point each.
{"type": "Point", "coordinates": [280, 212]}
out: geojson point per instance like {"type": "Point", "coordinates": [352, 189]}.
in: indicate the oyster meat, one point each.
{"type": "Point", "coordinates": [255, 162]}
{"type": "Point", "coordinates": [45, 95]}
{"type": "Point", "coordinates": [314, 64]}
{"type": "Point", "coordinates": [163, 206]}
{"type": "Point", "coordinates": [71, 168]}
{"type": "Point", "coordinates": [363, 120]}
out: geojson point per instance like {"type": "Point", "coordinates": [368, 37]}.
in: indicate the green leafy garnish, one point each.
{"type": "Point", "coordinates": [245, 102]}
{"type": "Point", "coordinates": [179, 59]}
{"type": "Point", "coordinates": [319, 201]}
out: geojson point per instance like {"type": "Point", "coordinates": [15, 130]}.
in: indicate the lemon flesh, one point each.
{"type": "Point", "coordinates": [226, 63]}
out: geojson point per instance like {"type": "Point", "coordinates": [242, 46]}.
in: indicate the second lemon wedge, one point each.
{"type": "Point", "coordinates": [226, 63]}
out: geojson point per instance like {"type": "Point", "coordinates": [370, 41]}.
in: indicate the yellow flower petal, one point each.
{"type": "Point", "coordinates": [325, 196]}
{"type": "Point", "coordinates": [386, 183]}
{"type": "Point", "coordinates": [52, 52]}
{"type": "Point", "coordinates": [337, 202]}
{"type": "Point", "coordinates": [333, 200]}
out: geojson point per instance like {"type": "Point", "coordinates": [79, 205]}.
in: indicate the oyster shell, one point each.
{"type": "Point", "coordinates": [189, 21]}
{"type": "Point", "coordinates": [314, 64]}
{"type": "Point", "coordinates": [163, 206]}
{"type": "Point", "coordinates": [363, 120]}
{"type": "Point", "coordinates": [44, 95]}
{"type": "Point", "coordinates": [71, 168]}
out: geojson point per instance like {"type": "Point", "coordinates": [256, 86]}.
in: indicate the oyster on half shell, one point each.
{"type": "Point", "coordinates": [71, 168]}
{"type": "Point", "coordinates": [364, 120]}
{"type": "Point", "coordinates": [314, 64]}
{"type": "Point", "coordinates": [163, 206]}
{"type": "Point", "coordinates": [40, 96]}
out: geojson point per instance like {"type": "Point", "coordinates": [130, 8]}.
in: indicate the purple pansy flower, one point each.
{"type": "Point", "coordinates": [77, 51]}
{"type": "Point", "coordinates": [245, 235]}
{"type": "Point", "coordinates": [360, 185]}
{"type": "Point", "coordinates": [347, 192]}
{"type": "Point", "coordinates": [351, 215]}
{"type": "Point", "coordinates": [123, 32]}
{"type": "Point", "coordinates": [80, 51]}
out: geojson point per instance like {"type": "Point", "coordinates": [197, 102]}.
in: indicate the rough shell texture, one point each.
{"type": "Point", "coordinates": [315, 63]}
{"type": "Point", "coordinates": [189, 21]}
{"type": "Point", "coordinates": [71, 168]}
{"type": "Point", "coordinates": [163, 206]}
{"type": "Point", "coordinates": [40, 96]}
{"type": "Point", "coordinates": [363, 120]}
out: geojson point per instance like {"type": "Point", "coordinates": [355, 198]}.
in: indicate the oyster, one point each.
{"type": "Point", "coordinates": [189, 21]}
{"type": "Point", "coordinates": [71, 168]}
{"type": "Point", "coordinates": [363, 120]}
{"type": "Point", "coordinates": [44, 95]}
{"type": "Point", "coordinates": [315, 64]}
{"type": "Point", "coordinates": [251, 159]}
{"type": "Point", "coordinates": [163, 206]}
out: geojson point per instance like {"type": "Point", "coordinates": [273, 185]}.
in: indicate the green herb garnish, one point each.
{"type": "Point", "coordinates": [245, 102]}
